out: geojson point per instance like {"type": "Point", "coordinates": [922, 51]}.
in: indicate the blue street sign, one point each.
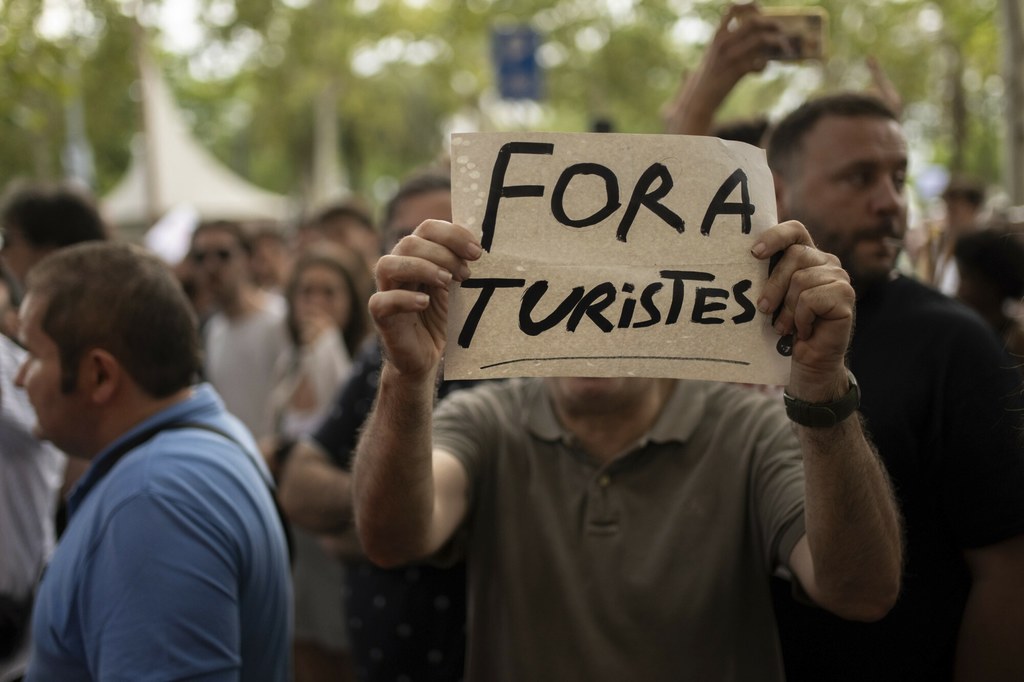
{"type": "Point", "coordinates": [514, 53]}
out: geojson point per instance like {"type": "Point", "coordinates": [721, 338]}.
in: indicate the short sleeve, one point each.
{"type": "Point", "coordinates": [776, 486]}
{"type": "Point", "coordinates": [464, 423]}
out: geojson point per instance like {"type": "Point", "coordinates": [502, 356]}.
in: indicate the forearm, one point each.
{"type": "Point", "coordinates": [739, 47]}
{"type": "Point", "coordinates": [852, 523]}
{"type": "Point", "coordinates": [393, 482]}
{"type": "Point", "coordinates": [315, 494]}
{"type": "Point", "coordinates": [693, 111]}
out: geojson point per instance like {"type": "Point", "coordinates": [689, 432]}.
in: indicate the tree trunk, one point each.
{"type": "Point", "coordinates": [1013, 79]}
{"type": "Point", "coordinates": [957, 108]}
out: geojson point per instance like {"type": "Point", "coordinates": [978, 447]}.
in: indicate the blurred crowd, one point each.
{"type": "Point", "coordinates": [288, 341]}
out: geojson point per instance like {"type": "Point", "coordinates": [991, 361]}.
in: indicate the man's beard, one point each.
{"type": "Point", "coordinates": [863, 277]}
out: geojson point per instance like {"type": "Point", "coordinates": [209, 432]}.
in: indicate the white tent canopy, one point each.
{"type": "Point", "coordinates": [171, 169]}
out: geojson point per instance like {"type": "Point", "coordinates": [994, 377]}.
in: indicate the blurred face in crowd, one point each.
{"type": "Point", "coordinates": [270, 262]}
{"type": "Point", "coordinates": [19, 254]}
{"type": "Point", "coordinates": [321, 292]}
{"type": "Point", "coordinates": [848, 189]}
{"type": "Point", "coordinates": [220, 263]}
{"type": "Point", "coordinates": [350, 234]}
{"type": "Point", "coordinates": [413, 210]}
{"type": "Point", "coordinates": [8, 312]}
{"type": "Point", "coordinates": [961, 214]}
{"type": "Point", "coordinates": [58, 414]}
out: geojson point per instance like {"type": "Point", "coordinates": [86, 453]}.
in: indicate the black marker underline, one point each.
{"type": "Point", "coordinates": [617, 357]}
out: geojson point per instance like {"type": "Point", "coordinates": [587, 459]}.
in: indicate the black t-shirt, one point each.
{"type": "Point", "coordinates": [405, 623]}
{"type": "Point", "coordinates": [943, 404]}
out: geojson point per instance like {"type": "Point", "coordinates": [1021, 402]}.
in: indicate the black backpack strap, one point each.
{"type": "Point", "coordinates": [103, 467]}
{"type": "Point", "coordinates": [270, 486]}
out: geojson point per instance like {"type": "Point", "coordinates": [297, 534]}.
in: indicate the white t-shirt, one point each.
{"type": "Point", "coordinates": [240, 359]}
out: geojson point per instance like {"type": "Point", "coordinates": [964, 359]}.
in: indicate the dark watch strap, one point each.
{"type": "Point", "coordinates": [820, 415]}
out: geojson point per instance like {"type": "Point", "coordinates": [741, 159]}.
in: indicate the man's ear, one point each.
{"type": "Point", "coordinates": [100, 375]}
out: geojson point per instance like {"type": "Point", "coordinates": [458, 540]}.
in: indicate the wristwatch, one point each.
{"type": "Point", "coordinates": [820, 415]}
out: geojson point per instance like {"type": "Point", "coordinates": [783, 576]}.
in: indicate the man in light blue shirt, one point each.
{"type": "Point", "coordinates": [174, 562]}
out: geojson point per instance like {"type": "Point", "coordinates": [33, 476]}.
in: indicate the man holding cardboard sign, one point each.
{"type": "Point", "coordinates": [625, 527]}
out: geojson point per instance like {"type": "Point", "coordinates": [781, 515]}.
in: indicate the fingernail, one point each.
{"type": "Point", "coordinates": [464, 272]}
{"type": "Point", "coordinates": [763, 305]}
{"type": "Point", "coordinates": [444, 277]}
{"type": "Point", "coordinates": [422, 300]}
{"type": "Point", "coordinates": [758, 249]}
{"type": "Point", "coordinates": [474, 250]}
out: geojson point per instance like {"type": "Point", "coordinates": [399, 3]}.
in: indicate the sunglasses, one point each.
{"type": "Point", "coordinates": [222, 255]}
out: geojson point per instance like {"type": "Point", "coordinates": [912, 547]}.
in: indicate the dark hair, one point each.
{"type": "Point", "coordinates": [269, 229]}
{"type": "Point", "coordinates": [995, 256]}
{"type": "Point", "coordinates": [423, 182]}
{"type": "Point", "coordinates": [785, 140]}
{"type": "Point", "coordinates": [235, 229]}
{"type": "Point", "coordinates": [749, 130]}
{"type": "Point", "coordinates": [354, 330]}
{"type": "Point", "coordinates": [124, 300]}
{"type": "Point", "coordinates": [52, 216]}
{"type": "Point", "coordinates": [971, 191]}
{"type": "Point", "coordinates": [353, 209]}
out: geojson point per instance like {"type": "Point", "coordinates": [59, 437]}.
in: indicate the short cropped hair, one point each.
{"type": "Point", "coordinates": [258, 231]}
{"type": "Point", "coordinates": [432, 180]}
{"type": "Point", "coordinates": [352, 209]}
{"type": "Point", "coordinates": [235, 229]}
{"type": "Point", "coordinates": [749, 130]}
{"type": "Point", "coordinates": [124, 300]}
{"type": "Point", "coordinates": [785, 140]}
{"type": "Point", "coordinates": [52, 216]}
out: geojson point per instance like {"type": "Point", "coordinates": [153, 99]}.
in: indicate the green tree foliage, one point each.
{"type": "Point", "coordinates": [399, 69]}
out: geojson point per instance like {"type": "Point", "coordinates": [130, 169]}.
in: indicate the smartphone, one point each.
{"type": "Point", "coordinates": [806, 31]}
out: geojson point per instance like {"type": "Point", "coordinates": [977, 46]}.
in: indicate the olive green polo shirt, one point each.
{"type": "Point", "coordinates": [652, 567]}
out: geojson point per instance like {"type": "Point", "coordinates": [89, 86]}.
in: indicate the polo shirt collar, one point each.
{"type": "Point", "coordinates": [202, 399]}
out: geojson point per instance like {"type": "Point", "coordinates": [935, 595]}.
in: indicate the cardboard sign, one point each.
{"type": "Point", "coordinates": [612, 255]}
